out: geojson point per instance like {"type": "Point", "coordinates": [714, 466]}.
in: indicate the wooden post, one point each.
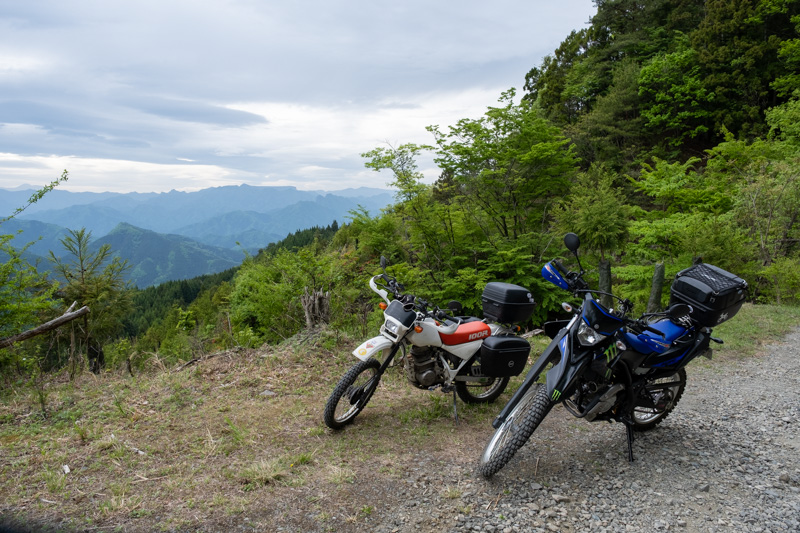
{"type": "Point", "coordinates": [656, 289]}
{"type": "Point", "coordinates": [605, 282]}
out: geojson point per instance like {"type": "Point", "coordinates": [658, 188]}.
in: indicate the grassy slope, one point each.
{"type": "Point", "coordinates": [238, 439]}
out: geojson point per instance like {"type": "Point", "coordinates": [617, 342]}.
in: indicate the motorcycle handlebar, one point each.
{"type": "Point", "coordinates": [414, 302]}
{"type": "Point", "coordinates": [441, 315]}
{"type": "Point", "coordinates": [560, 267]}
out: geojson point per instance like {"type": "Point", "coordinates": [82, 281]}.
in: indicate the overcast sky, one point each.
{"type": "Point", "coordinates": [154, 95]}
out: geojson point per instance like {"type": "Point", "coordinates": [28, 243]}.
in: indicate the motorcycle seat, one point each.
{"type": "Point", "coordinates": [649, 342]}
{"type": "Point", "coordinates": [467, 332]}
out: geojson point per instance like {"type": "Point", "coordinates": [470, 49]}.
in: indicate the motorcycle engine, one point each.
{"type": "Point", "coordinates": [423, 368]}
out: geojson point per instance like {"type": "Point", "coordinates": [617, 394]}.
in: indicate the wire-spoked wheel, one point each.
{"type": "Point", "coordinates": [482, 389]}
{"type": "Point", "coordinates": [664, 394]}
{"type": "Point", "coordinates": [515, 431]}
{"type": "Point", "coordinates": [352, 393]}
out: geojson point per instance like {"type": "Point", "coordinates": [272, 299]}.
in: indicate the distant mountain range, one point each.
{"type": "Point", "coordinates": [179, 235]}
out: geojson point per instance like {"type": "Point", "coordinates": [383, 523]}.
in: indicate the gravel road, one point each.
{"type": "Point", "coordinates": [726, 460]}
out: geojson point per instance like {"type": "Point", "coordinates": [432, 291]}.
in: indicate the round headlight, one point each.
{"type": "Point", "coordinates": [588, 336]}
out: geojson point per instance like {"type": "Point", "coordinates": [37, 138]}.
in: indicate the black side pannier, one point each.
{"type": "Point", "coordinates": [506, 303]}
{"type": "Point", "coordinates": [504, 356]}
{"type": "Point", "coordinates": [715, 295]}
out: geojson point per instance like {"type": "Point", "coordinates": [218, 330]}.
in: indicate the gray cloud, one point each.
{"type": "Point", "coordinates": [256, 89]}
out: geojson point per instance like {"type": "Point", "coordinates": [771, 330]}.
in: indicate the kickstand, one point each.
{"type": "Point", "coordinates": [629, 429]}
{"type": "Point", "coordinates": [455, 409]}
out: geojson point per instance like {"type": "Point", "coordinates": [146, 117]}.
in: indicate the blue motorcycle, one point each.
{"type": "Point", "coordinates": [604, 366]}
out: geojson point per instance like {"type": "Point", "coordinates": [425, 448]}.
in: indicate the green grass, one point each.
{"type": "Point", "coordinates": [263, 472]}
{"type": "Point", "coordinates": [754, 326]}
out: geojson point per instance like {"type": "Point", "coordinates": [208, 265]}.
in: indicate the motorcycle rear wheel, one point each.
{"type": "Point", "coordinates": [520, 424]}
{"type": "Point", "coordinates": [646, 418]}
{"type": "Point", "coordinates": [351, 394]}
{"type": "Point", "coordinates": [485, 391]}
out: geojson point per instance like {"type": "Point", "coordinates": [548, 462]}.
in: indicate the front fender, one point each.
{"type": "Point", "coordinates": [372, 346]}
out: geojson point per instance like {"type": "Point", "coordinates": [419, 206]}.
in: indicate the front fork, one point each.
{"type": "Point", "coordinates": [373, 383]}
{"type": "Point", "coordinates": [549, 355]}
{"type": "Point", "coordinates": [559, 378]}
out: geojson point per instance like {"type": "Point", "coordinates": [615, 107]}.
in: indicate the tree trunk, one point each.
{"type": "Point", "coordinates": [605, 282]}
{"type": "Point", "coordinates": [656, 289]}
{"type": "Point", "coordinates": [316, 306]}
{"type": "Point", "coordinates": [47, 326]}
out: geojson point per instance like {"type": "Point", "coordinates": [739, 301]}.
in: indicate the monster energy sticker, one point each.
{"type": "Point", "coordinates": [611, 352]}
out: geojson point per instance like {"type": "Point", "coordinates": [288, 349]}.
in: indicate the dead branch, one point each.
{"type": "Point", "coordinates": [47, 326]}
{"type": "Point", "coordinates": [196, 360]}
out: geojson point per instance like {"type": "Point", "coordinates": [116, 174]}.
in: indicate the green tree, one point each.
{"type": "Point", "coordinates": [266, 293]}
{"type": "Point", "coordinates": [784, 121]}
{"type": "Point", "coordinates": [611, 132]}
{"type": "Point", "coordinates": [550, 87]}
{"type": "Point", "coordinates": [597, 211]}
{"type": "Point", "coordinates": [765, 178]}
{"type": "Point", "coordinates": [675, 102]}
{"type": "Point", "coordinates": [737, 45]}
{"type": "Point", "coordinates": [25, 293]}
{"type": "Point", "coordinates": [95, 279]}
{"type": "Point", "coordinates": [507, 166]}
{"type": "Point", "coordinates": [418, 216]}
{"type": "Point", "coordinates": [789, 52]}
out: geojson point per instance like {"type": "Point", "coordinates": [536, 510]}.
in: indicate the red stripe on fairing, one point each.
{"type": "Point", "coordinates": [471, 331]}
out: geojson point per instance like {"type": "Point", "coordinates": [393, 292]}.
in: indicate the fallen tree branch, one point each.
{"type": "Point", "coordinates": [47, 326]}
{"type": "Point", "coordinates": [196, 360]}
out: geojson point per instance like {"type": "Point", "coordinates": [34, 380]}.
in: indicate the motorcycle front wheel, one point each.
{"type": "Point", "coordinates": [664, 393]}
{"type": "Point", "coordinates": [352, 393]}
{"type": "Point", "coordinates": [520, 424]}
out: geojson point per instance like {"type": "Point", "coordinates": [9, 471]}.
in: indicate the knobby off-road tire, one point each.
{"type": "Point", "coordinates": [644, 418]}
{"type": "Point", "coordinates": [351, 394]}
{"type": "Point", "coordinates": [485, 391]}
{"type": "Point", "coordinates": [522, 421]}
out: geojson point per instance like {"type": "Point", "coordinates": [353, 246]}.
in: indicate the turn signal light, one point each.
{"type": "Point", "coordinates": [418, 329]}
{"type": "Point", "coordinates": [383, 305]}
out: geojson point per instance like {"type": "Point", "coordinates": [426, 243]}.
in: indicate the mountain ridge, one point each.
{"type": "Point", "coordinates": [172, 211]}
{"type": "Point", "coordinates": [155, 258]}
{"type": "Point", "coordinates": [187, 233]}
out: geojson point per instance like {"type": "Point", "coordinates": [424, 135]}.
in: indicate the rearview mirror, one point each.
{"type": "Point", "coordinates": [572, 242]}
{"type": "Point", "coordinates": [455, 307]}
{"type": "Point", "coordinates": [383, 262]}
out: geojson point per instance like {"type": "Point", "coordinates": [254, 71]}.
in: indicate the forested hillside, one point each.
{"type": "Point", "coordinates": [666, 132]}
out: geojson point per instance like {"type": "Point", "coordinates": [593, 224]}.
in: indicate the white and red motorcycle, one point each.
{"type": "Point", "coordinates": [474, 358]}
